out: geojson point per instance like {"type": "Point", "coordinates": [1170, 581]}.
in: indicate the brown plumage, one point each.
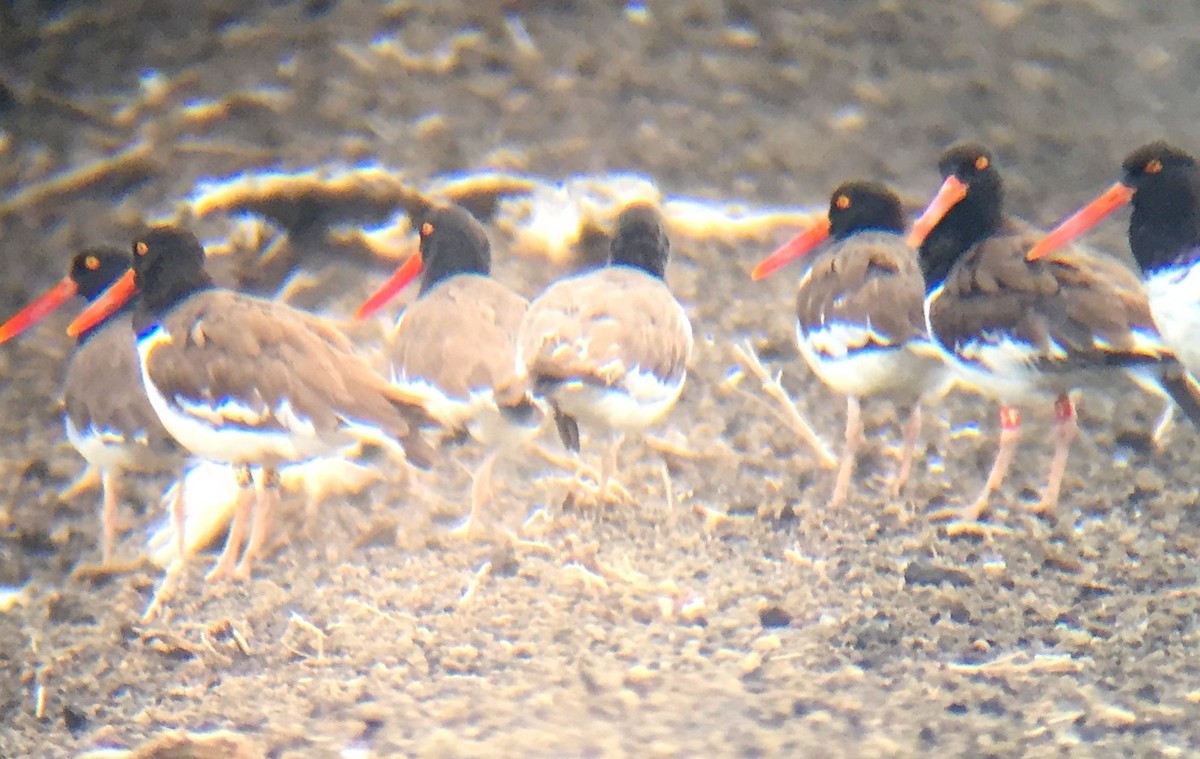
{"type": "Point", "coordinates": [609, 348]}
{"type": "Point", "coordinates": [854, 282]}
{"type": "Point", "coordinates": [102, 389]}
{"type": "Point", "coordinates": [1076, 311]}
{"type": "Point", "coordinates": [860, 317]}
{"type": "Point", "coordinates": [596, 327]}
{"type": "Point", "coordinates": [246, 381]}
{"type": "Point", "coordinates": [456, 344]}
{"type": "Point", "coordinates": [461, 337]}
{"type": "Point", "coordinates": [264, 355]}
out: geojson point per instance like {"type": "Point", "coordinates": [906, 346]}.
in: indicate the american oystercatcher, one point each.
{"type": "Point", "coordinates": [106, 413]}
{"type": "Point", "coordinates": [456, 343]}
{"type": "Point", "coordinates": [1019, 330]}
{"type": "Point", "coordinates": [1163, 183]}
{"type": "Point", "coordinates": [245, 381]}
{"type": "Point", "coordinates": [860, 315]}
{"type": "Point", "coordinates": [609, 348]}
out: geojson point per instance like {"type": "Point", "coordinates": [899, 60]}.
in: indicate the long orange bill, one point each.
{"type": "Point", "coordinates": [948, 195]}
{"type": "Point", "coordinates": [105, 305]}
{"type": "Point", "coordinates": [1082, 220]}
{"type": "Point", "coordinates": [41, 307]}
{"type": "Point", "coordinates": [799, 245]}
{"type": "Point", "coordinates": [407, 272]}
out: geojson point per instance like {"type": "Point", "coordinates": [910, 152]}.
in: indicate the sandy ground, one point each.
{"type": "Point", "coordinates": [723, 612]}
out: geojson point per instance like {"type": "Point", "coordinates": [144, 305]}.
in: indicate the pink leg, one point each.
{"type": "Point", "coordinates": [179, 519]}
{"type": "Point", "coordinates": [1066, 428]}
{"type": "Point", "coordinates": [237, 528]}
{"type": "Point", "coordinates": [1010, 435]}
{"type": "Point", "coordinates": [268, 496]}
{"type": "Point", "coordinates": [481, 493]}
{"type": "Point", "coordinates": [912, 431]}
{"type": "Point", "coordinates": [854, 438]}
{"type": "Point", "coordinates": [608, 465]}
{"type": "Point", "coordinates": [108, 517]}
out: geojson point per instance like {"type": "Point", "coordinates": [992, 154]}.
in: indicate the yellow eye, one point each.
{"type": "Point", "coordinates": [982, 163]}
{"type": "Point", "coordinates": [842, 202]}
{"type": "Point", "coordinates": [141, 248]}
{"type": "Point", "coordinates": [1153, 166]}
{"type": "Point", "coordinates": [426, 229]}
{"type": "Point", "coordinates": [92, 263]}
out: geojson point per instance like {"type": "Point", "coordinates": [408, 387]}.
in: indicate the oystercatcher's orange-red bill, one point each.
{"type": "Point", "coordinates": [104, 305]}
{"type": "Point", "coordinates": [38, 309]}
{"type": "Point", "coordinates": [800, 245]}
{"type": "Point", "coordinates": [948, 195]}
{"type": "Point", "coordinates": [1082, 220]}
{"type": "Point", "coordinates": [407, 272]}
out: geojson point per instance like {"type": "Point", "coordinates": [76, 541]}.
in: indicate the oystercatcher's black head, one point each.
{"type": "Point", "coordinates": [859, 206]}
{"type": "Point", "coordinates": [968, 207]}
{"type": "Point", "coordinates": [452, 242]}
{"type": "Point", "coordinates": [168, 266]}
{"type": "Point", "coordinates": [90, 273]}
{"type": "Point", "coordinates": [640, 240]}
{"type": "Point", "coordinates": [981, 211]}
{"type": "Point", "coordinates": [1165, 224]}
{"type": "Point", "coordinates": [93, 270]}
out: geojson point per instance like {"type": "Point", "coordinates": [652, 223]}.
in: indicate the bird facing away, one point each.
{"type": "Point", "coordinates": [609, 348]}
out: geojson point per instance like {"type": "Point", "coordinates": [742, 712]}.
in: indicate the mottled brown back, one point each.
{"type": "Point", "coordinates": [264, 353]}
{"type": "Point", "coordinates": [871, 276]}
{"type": "Point", "coordinates": [1087, 303]}
{"type": "Point", "coordinates": [596, 326]}
{"type": "Point", "coordinates": [103, 388]}
{"type": "Point", "coordinates": [460, 336]}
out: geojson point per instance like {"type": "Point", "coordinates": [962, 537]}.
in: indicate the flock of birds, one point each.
{"type": "Point", "coordinates": [170, 368]}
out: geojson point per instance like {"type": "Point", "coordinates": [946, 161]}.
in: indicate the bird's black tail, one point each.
{"type": "Point", "coordinates": [1184, 390]}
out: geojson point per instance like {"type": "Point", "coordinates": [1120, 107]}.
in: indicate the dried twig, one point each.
{"type": "Point", "coordinates": [788, 412]}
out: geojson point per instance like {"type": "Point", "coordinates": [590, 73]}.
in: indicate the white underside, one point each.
{"type": "Point", "coordinates": [638, 401]}
{"type": "Point", "coordinates": [1174, 295]}
{"type": "Point", "coordinates": [198, 427]}
{"type": "Point", "coordinates": [478, 413]}
{"type": "Point", "coordinates": [107, 450]}
{"type": "Point", "coordinates": [834, 355]}
{"type": "Point", "coordinates": [1000, 367]}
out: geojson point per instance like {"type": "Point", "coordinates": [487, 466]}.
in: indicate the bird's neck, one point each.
{"type": "Point", "coordinates": [156, 302]}
{"type": "Point", "coordinates": [963, 226]}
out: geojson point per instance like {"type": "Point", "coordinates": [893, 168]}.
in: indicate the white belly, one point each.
{"type": "Point", "coordinates": [638, 401]}
{"type": "Point", "coordinates": [231, 444]}
{"type": "Point", "coordinates": [910, 370]}
{"type": "Point", "coordinates": [1174, 295]}
{"type": "Point", "coordinates": [104, 451]}
{"type": "Point", "coordinates": [478, 413]}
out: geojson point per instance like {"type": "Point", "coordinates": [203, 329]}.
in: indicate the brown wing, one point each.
{"type": "Point", "coordinates": [268, 357]}
{"type": "Point", "coordinates": [871, 278]}
{"type": "Point", "coordinates": [1074, 307]}
{"type": "Point", "coordinates": [596, 326]}
{"type": "Point", "coordinates": [461, 336]}
{"type": "Point", "coordinates": [103, 389]}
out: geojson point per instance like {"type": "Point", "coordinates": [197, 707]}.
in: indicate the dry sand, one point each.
{"type": "Point", "coordinates": [726, 613]}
